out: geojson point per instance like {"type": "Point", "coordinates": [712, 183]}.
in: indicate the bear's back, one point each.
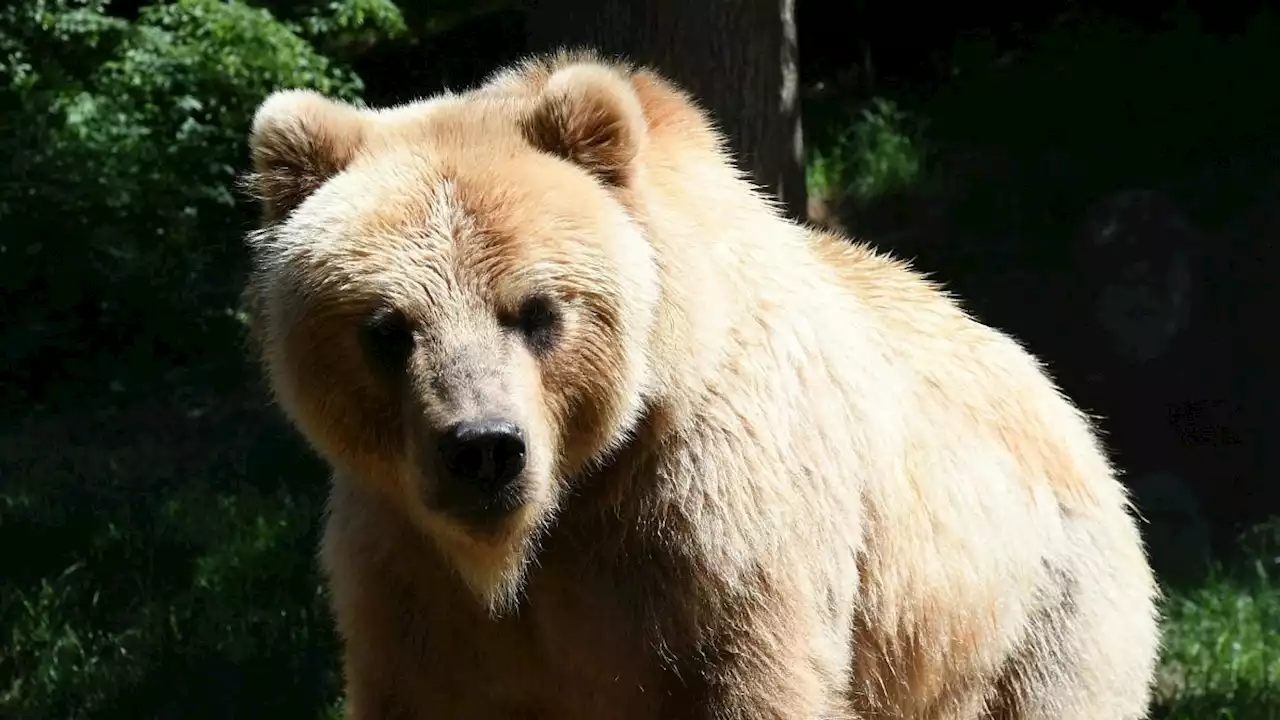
{"type": "Point", "coordinates": [1000, 516]}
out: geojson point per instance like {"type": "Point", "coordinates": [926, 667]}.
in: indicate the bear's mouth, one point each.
{"type": "Point", "coordinates": [479, 508]}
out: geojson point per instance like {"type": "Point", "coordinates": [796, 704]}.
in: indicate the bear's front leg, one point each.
{"type": "Point", "coordinates": [398, 668]}
{"type": "Point", "coordinates": [415, 644]}
{"type": "Point", "coordinates": [767, 670]}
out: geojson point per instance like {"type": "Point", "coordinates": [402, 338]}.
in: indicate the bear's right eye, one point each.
{"type": "Point", "coordinates": [388, 339]}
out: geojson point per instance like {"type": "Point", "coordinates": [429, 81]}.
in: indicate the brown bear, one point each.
{"type": "Point", "coordinates": [613, 438]}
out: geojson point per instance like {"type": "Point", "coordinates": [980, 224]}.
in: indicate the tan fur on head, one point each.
{"type": "Point", "coordinates": [590, 115]}
{"type": "Point", "coordinates": [770, 473]}
{"type": "Point", "coordinates": [400, 211]}
{"type": "Point", "coordinates": [298, 140]}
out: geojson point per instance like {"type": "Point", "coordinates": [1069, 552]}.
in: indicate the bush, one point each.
{"type": "Point", "coordinates": [119, 213]}
{"type": "Point", "coordinates": [879, 155]}
{"type": "Point", "coordinates": [159, 543]}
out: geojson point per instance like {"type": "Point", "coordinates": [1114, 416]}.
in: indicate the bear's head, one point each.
{"type": "Point", "coordinates": [452, 298]}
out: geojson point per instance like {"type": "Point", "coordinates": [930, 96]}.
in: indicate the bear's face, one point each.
{"type": "Point", "coordinates": [452, 300]}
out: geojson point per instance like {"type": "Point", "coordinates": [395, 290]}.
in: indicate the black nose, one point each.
{"type": "Point", "coordinates": [488, 452]}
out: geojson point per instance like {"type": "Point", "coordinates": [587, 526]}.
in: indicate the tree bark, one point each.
{"type": "Point", "coordinates": [737, 57]}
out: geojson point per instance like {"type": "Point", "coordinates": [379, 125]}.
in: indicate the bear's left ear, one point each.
{"type": "Point", "coordinates": [589, 114]}
{"type": "Point", "coordinates": [299, 140]}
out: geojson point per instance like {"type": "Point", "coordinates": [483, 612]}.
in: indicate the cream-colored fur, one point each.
{"type": "Point", "coordinates": [773, 474]}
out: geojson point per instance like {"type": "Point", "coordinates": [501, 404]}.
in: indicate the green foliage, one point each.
{"type": "Point", "coordinates": [126, 141]}
{"type": "Point", "coordinates": [341, 28]}
{"type": "Point", "coordinates": [879, 154]}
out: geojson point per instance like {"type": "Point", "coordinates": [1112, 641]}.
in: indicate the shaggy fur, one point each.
{"type": "Point", "coordinates": [772, 473]}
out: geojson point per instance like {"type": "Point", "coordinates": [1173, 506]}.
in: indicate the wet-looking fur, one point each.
{"type": "Point", "coordinates": [764, 472]}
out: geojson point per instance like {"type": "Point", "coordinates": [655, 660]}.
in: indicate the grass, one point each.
{"type": "Point", "coordinates": [1222, 640]}
{"type": "Point", "coordinates": [165, 564]}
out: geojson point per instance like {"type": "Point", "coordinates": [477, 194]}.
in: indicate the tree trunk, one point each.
{"type": "Point", "coordinates": [737, 57]}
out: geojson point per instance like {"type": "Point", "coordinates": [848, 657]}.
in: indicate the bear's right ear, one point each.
{"type": "Point", "coordinates": [589, 114]}
{"type": "Point", "coordinates": [299, 139]}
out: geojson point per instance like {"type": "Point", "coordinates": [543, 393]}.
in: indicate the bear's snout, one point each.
{"type": "Point", "coordinates": [488, 452]}
{"type": "Point", "coordinates": [483, 463]}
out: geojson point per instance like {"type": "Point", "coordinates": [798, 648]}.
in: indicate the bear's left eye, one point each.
{"type": "Point", "coordinates": [538, 321]}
